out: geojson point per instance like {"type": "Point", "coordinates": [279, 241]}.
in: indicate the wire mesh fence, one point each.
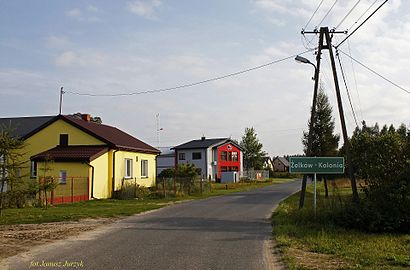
{"type": "Point", "coordinates": [178, 186]}
{"type": "Point", "coordinates": [255, 175]}
{"type": "Point", "coordinates": [58, 190]}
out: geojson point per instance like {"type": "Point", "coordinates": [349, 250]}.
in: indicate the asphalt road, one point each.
{"type": "Point", "coordinates": [226, 232]}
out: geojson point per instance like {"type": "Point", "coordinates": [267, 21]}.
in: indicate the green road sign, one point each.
{"type": "Point", "coordinates": [319, 165]}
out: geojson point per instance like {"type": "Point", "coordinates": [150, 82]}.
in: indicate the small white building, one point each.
{"type": "Point", "coordinates": [165, 160]}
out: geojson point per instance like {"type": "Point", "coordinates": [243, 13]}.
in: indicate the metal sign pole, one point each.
{"type": "Point", "coordinates": [314, 199]}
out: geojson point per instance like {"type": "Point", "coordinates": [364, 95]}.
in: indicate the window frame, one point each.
{"type": "Point", "coordinates": [128, 168]}
{"type": "Point", "coordinates": [235, 156]}
{"type": "Point", "coordinates": [196, 157]}
{"type": "Point", "coordinates": [181, 156]}
{"type": "Point", "coordinates": [33, 169]}
{"type": "Point", "coordinates": [62, 179]}
{"type": "Point", "coordinates": [144, 168]}
{"type": "Point", "coordinates": [63, 140]}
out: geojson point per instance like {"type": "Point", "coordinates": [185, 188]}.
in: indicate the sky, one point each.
{"type": "Point", "coordinates": [121, 47]}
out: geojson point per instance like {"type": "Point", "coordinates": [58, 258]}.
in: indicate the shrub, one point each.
{"type": "Point", "coordinates": [131, 191]}
{"type": "Point", "coordinates": [382, 159]}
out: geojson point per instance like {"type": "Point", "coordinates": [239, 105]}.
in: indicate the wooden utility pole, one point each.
{"type": "Point", "coordinates": [324, 35]}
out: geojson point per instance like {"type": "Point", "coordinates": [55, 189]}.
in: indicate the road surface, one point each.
{"type": "Point", "coordinates": [226, 232]}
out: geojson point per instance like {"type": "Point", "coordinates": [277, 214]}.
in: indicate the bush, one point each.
{"type": "Point", "coordinates": [131, 191]}
{"type": "Point", "coordinates": [385, 209]}
{"type": "Point", "coordinates": [382, 159]}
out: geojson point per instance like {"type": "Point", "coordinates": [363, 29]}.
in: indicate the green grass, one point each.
{"type": "Point", "coordinates": [114, 208]}
{"type": "Point", "coordinates": [308, 243]}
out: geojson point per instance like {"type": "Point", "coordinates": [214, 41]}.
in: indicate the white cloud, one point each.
{"type": "Point", "coordinates": [76, 13]}
{"type": "Point", "coordinates": [87, 14]}
{"type": "Point", "coordinates": [146, 9]}
{"type": "Point", "coordinates": [68, 58]}
{"type": "Point", "coordinates": [57, 41]}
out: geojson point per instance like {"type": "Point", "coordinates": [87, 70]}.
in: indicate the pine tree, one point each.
{"type": "Point", "coordinates": [324, 141]}
{"type": "Point", "coordinates": [10, 162]}
{"type": "Point", "coordinates": [253, 154]}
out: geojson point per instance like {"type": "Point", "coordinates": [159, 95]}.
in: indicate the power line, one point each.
{"type": "Point", "coordinates": [355, 81]}
{"type": "Point", "coordinates": [348, 13]}
{"type": "Point", "coordinates": [347, 88]}
{"type": "Point", "coordinates": [340, 43]}
{"type": "Point", "coordinates": [327, 13]}
{"type": "Point", "coordinates": [376, 73]}
{"type": "Point", "coordinates": [189, 84]}
{"type": "Point", "coordinates": [313, 15]}
{"type": "Point", "coordinates": [361, 16]}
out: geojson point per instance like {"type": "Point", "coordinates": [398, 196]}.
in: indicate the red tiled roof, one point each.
{"type": "Point", "coordinates": [72, 153]}
{"type": "Point", "coordinates": [111, 135]}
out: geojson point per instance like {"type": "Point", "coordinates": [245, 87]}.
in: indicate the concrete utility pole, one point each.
{"type": "Point", "coordinates": [324, 35]}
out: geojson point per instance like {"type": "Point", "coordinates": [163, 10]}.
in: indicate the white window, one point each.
{"type": "Point", "coordinates": [33, 169]}
{"type": "Point", "coordinates": [128, 168]}
{"type": "Point", "coordinates": [144, 168]}
{"type": "Point", "coordinates": [63, 177]}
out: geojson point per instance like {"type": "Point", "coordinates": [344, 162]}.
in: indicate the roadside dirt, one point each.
{"type": "Point", "coordinates": [15, 239]}
{"type": "Point", "coordinates": [311, 260]}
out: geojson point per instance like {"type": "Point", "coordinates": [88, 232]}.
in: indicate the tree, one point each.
{"type": "Point", "coordinates": [94, 119]}
{"type": "Point", "coordinates": [253, 154]}
{"type": "Point", "coordinates": [10, 162]}
{"type": "Point", "coordinates": [324, 141]}
{"type": "Point", "coordinates": [382, 160]}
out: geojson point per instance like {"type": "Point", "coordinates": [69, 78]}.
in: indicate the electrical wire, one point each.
{"type": "Point", "coordinates": [361, 16]}
{"type": "Point", "coordinates": [347, 15]}
{"type": "Point", "coordinates": [349, 117]}
{"type": "Point", "coordinates": [354, 31]}
{"type": "Point", "coordinates": [355, 81]}
{"type": "Point", "coordinates": [189, 84]}
{"type": "Point", "coordinates": [313, 15]}
{"type": "Point", "coordinates": [327, 13]}
{"type": "Point", "coordinates": [347, 88]}
{"type": "Point", "coordinates": [376, 73]}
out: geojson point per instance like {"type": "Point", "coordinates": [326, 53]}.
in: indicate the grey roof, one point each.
{"type": "Point", "coordinates": [21, 126]}
{"type": "Point", "coordinates": [206, 143]}
{"type": "Point", "coordinates": [284, 161]}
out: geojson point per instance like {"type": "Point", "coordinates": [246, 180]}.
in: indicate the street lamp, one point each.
{"type": "Point", "coordinates": [301, 59]}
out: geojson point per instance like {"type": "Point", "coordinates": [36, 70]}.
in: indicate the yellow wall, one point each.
{"type": "Point", "coordinates": [102, 177]}
{"type": "Point", "coordinates": [120, 157]}
{"type": "Point", "coordinates": [49, 137]}
{"type": "Point", "coordinates": [76, 172]}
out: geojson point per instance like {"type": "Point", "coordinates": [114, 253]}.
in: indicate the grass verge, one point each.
{"type": "Point", "coordinates": [115, 208]}
{"type": "Point", "coordinates": [309, 243]}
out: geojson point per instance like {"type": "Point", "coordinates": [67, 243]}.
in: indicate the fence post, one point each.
{"type": "Point", "coordinates": [200, 184]}
{"type": "Point", "coordinates": [72, 189]}
{"type": "Point", "coordinates": [210, 184]}
{"type": "Point", "coordinates": [135, 187]}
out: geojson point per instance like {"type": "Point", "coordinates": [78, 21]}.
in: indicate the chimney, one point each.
{"type": "Point", "coordinates": [203, 138]}
{"type": "Point", "coordinates": [86, 117]}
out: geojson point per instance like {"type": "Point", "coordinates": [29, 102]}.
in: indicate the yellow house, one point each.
{"type": "Point", "coordinates": [88, 159]}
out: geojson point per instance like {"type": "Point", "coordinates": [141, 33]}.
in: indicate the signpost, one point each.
{"type": "Point", "coordinates": [316, 165]}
